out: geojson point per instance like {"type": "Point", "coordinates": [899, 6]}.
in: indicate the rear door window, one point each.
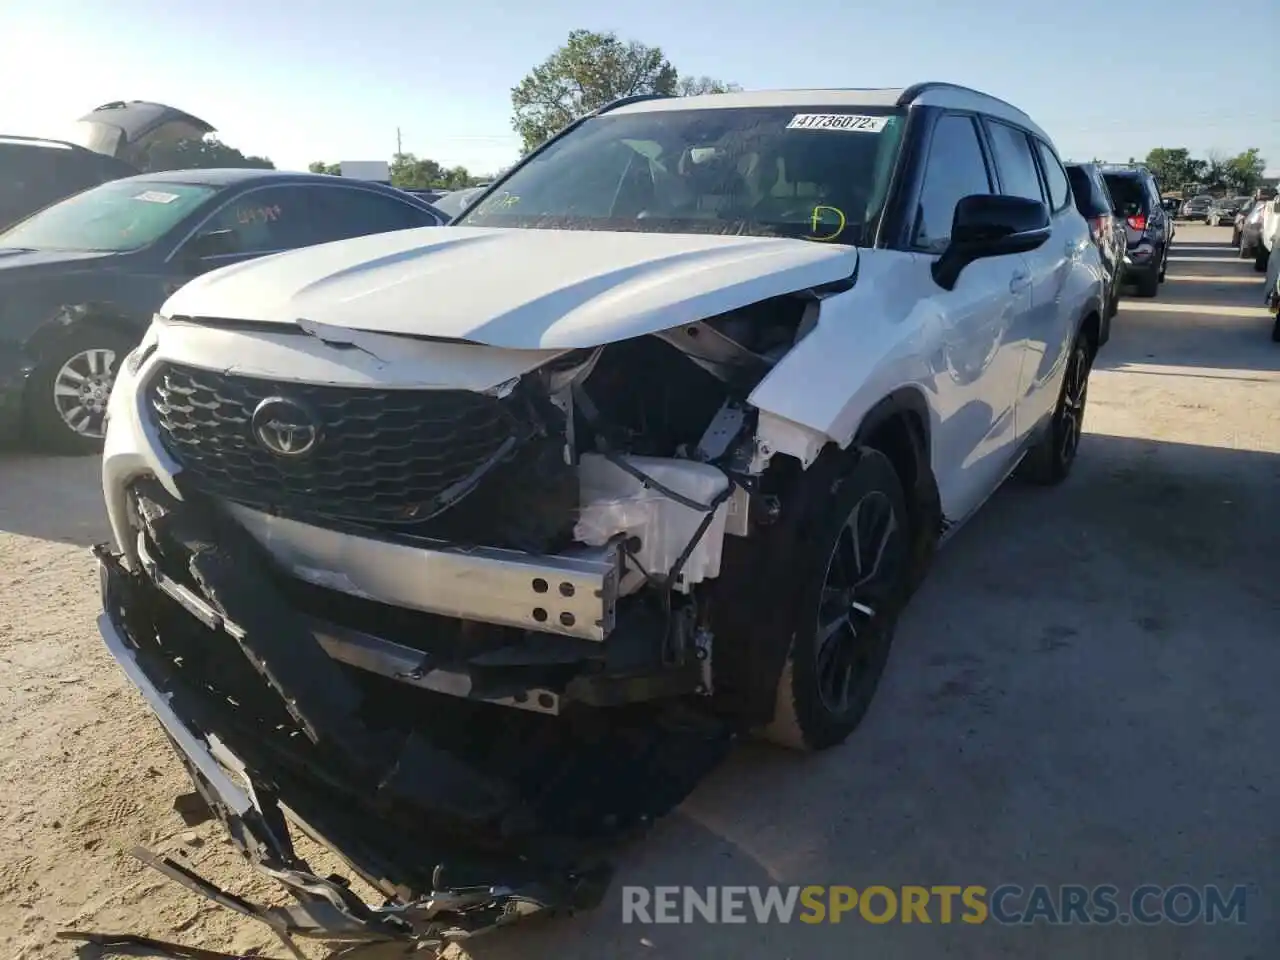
{"type": "Point", "coordinates": [339, 213]}
{"type": "Point", "coordinates": [1018, 174]}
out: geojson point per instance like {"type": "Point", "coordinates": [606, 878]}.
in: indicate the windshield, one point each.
{"type": "Point", "coordinates": [115, 217]}
{"type": "Point", "coordinates": [758, 171]}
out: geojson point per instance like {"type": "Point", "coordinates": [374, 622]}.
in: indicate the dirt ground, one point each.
{"type": "Point", "coordinates": [1083, 692]}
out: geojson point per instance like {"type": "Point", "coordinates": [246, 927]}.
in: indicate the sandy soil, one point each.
{"type": "Point", "coordinates": [1082, 692]}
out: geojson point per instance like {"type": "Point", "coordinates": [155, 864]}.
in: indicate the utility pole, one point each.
{"type": "Point", "coordinates": [399, 145]}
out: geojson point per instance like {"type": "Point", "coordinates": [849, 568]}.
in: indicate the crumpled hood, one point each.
{"type": "Point", "coordinates": [521, 289]}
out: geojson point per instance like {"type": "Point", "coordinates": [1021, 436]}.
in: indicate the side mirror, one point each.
{"type": "Point", "coordinates": [990, 225]}
{"type": "Point", "coordinates": [215, 243]}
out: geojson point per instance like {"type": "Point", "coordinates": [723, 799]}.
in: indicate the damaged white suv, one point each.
{"type": "Point", "coordinates": [469, 550]}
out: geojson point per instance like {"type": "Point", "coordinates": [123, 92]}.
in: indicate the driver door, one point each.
{"type": "Point", "coordinates": [254, 223]}
{"type": "Point", "coordinates": [973, 346]}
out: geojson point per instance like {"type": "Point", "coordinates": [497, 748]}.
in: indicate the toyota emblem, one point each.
{"type": "Point", "coordinates": [285, 427]}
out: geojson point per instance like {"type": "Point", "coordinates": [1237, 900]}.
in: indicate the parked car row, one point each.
{"type": "Point", "coordinates": [1130, 226]}
{"type": "Point", "coordinates": [1224, 210]}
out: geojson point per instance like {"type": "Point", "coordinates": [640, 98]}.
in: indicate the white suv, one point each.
{"type": "Point", "coordinates": [504, 530]}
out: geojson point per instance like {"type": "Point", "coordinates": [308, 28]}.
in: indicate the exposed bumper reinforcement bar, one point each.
{"type": "Point", "coordinates": [571, 594]}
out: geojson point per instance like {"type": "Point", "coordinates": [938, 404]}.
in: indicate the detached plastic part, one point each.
{"type": "Point", "coordinates": [616, 503]}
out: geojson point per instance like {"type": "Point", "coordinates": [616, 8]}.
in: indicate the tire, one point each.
{"type": "Point", "coordinates": [1275, 330]}
{"type": "Point", "coordinates": [824, 688]}
{"type": "Point", "coordinates": [1244, 253]}
{"type": "Point", "coordinates": [1164, 265]}
{"type": "Point", "coordinates": [1260, 259]}
{"type": "Point", "coordinates": [1235, 239]}
{"type": "Point", "coordinates": [59, 420]}
{"type": "Point", "coordinates": [1148, 284]}
{"type": "Point", "coordinates": [1050, 461]}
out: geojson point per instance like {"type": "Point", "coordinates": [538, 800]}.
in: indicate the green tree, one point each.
{"type": "Point", "coordinates": [590, 70]}
{"type": "Point", "coordinates": [696, 86]}
{"type": "Point", "coordinates": [1243, 172]}
{"type": "Point", "coordinates": [414, 173]}
{"type": "Point", "coordinates": [1214, 174]}
{"type": "Point", "coordinates": [199, 154]}
{"type": "Point", "coordinates": [1173, 167]}
{"type": "Point", "coordinates": [411, 172]}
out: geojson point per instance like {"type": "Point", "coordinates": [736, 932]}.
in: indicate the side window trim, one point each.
{"type": "Point", "coordinates": [1041, 148]}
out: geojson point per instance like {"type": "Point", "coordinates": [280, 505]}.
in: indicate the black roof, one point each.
{"type": "Point", "coordinates": [223, 177]}
{"type": "Point", "coordinates": [228, 176]}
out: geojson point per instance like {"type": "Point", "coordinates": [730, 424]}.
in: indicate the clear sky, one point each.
{"type": "Point", "coordinates": [333, 79]}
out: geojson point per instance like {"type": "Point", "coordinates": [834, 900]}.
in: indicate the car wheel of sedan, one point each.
{"type": "Point", "coordinates": [1050, 461]}
{"type": "Point", "coordinates": [66, 398]}
{"type": "Point", "coordinates": [1260, 256]}
{"type": "Point", "coordinates": [858, 569]}
{"type": "Point", "coordinates": [1275, 330]}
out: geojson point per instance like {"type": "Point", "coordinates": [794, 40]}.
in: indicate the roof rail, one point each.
{"type": "Point", "coordinates": [53, 140]}
{"type": "Point", "coordinates": [912, 92]}
{"type": "Point", "coordinates": [627, 101]}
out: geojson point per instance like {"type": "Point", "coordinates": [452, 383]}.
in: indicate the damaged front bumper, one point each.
{"type": "Point", "coordinates": [464, 816]}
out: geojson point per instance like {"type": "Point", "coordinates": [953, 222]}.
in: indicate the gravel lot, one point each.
{"type": "Point", "coordinates": [1083, 692]}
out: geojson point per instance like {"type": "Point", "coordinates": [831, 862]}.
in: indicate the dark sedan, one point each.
{"type": "Point", "coordinates": [80, 280]}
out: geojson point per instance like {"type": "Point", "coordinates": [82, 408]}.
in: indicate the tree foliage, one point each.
{"type": "Point", "coordinates": [199, 154]}
{"type": "Point", "coordinates": [696, 86]}
{"type": "Point", "coordinates": [1175, 168]}
{"type": "Point", "coordinates": [332, 169]}
{"type": "Point", "coordinates": [590, 70]}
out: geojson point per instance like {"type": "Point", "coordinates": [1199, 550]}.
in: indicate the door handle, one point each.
{"type": "Point", "coordinates": [1019, 281]}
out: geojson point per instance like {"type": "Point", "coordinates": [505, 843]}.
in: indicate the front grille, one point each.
{"type": "Point", "coordinates": [381, 456]}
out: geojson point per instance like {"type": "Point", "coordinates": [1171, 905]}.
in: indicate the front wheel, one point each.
{"type": "Point", "coordinates": [858, 568]}
{"type": "Point", "coordinates": [1260, 259]}
{"type": "Point", "coordinates": [1050, 461]}
{"type": "Point", "coordinates": [66, 398]}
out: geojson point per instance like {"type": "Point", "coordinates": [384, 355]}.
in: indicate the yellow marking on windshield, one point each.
{"type": "Point", "coordinates": [815, 221]}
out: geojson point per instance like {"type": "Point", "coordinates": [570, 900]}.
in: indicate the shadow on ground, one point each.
{"type": "Point", "coordinates": [53, 498]}
{"type": "Point", "coordinates": [1080, 693]}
